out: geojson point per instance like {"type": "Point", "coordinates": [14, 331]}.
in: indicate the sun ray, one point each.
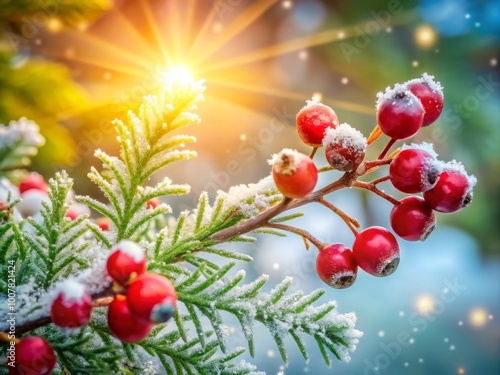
{"type": "Point", "coordinates": [188, 23]}
{"type": "Point", "coordinates": [174, 25]}
{"type": "Point", "coordinates": [132, 29]}
{"type": "Point", "coordinates": [96, 60]}
{"type": "Point", "coordinates": [358, 108]}
{"type": "Point", "coordinates": [320, 38]}
{"type": "Point", "coordinates": [240, 23]}
{"type": "Point", "coordinates": [203, 31]}
{"type": "Point", "coordinates": [107, 47]}
{"type": "Point", "coordinates": [156, 32]}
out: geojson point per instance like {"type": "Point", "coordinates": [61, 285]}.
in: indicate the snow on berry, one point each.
{"type": "Point", "coordinates": [424, 146]}
{"type": "Point", "coordinates": [126, 261]}
{"type": "Point", "coordinates": [73, 305]}
{"type": "Point", "coordinates": [345, 147]}
{"type": "Point", "coordinates": [399, 113]}
{"type": "Point", "coordinates": [313, 120]}
{"type": "Point", "coordinates": [430, 81]}
{"type": "Point", "coordinates": [294, 173]}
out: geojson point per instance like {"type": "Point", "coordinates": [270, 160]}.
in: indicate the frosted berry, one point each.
{"type": "Point", "coordinates": [126, 261]}
{"type": "Point", "coordinates": [430, 95]}
{"type": "Point", "coordinates": [452, 192]}
{"type": "Point", "coordinates": [103, 223]}
{"type": "Point", "coordinates": [31, 203]}
{"type": "Point", "coordinates": [413, 171]}
{"type": "Point", "coordinates": [73, 306]}
{"type": "Point", "coordinates": [336, 266]}
{"type": "Point", "coordinates": [400, 114]}
{"type": "Point", "coordinates": [376, 251]}
{"type": "Point", "coordinates": [344, 147]}
{"type": "Point", "coordinates": [151, 298]}
{"type": "Point", "coordinates": [313, 120]}
{"type": "Point", "coordinates": [153, 203]}
{"type": "Point", "coordinates": [412, 219]}
{"type": "Point", "coordinates": [294, 174]}
{"type": "Point", "coordinates": [33, 181]}
{"type": "Point", "coordinates": [76, 210]}
{"type": "Point", "coordinates": [34, 356]}
{"type": "Point", "coordinates": [123, 325]}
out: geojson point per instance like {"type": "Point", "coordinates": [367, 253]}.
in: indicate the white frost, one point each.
{"type": "Point", "coordinates": [71, 290]}
{"type": "Point", "coordinates": [424, 146]}
{"type": "Point", "coordinates": [129, 248]}
{"type": "Point", "coordinates": [346, 136]}
{"type": "Point", "coordinates": [429, 81]}
{"type": "Point", "coordinates": [390, 93]}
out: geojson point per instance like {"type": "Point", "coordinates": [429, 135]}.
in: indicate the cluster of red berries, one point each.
{"type": "Point", "coordinates": [401, 112]}
{"type": "Point", "coordinates": [145, 299]}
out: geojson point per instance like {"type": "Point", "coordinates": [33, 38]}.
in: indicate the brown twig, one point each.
{"type": "Point", "coordinates": [387, 148]}
{"type": "Point", "coordinates": [379, 180]}
{"type": "Point", "coordinates": [374, 189]}
{"type": "Point", "coordinates": [352, 223]}
{"type": "Point", "coordinates": [301, 232]}
{"type": "Point", "coordinates": [313, 152]}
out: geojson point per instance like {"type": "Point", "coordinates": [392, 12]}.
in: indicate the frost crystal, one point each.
{"type": "Point", "coordinates": [391, 93]}
{"type": "Point", "coordinates": [458, 167]}
{"type": "Point", "coordinates": [424, 146]}
{"type": "Point", "coordinates": [429, 81]}
{"type": "Point", "coordinates": [23, 130]}
{"type": "Point", "coordinates": [130, 248]}
{"type": "Point", "coordinates": [71, 290]}
{"type": "Point", "coordinates": [346, 136]}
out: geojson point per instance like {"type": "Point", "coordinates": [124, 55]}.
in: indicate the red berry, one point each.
{"type": "Point", "coordinates": [153, 203]}
{"type": "Point", "coordinates": [72, 307]}
{"type": "Point", "coordinates": [76, 210]}
{"type": "Point", "coordinates": [376, 251]}
{"type": "Point", "coordinates": [430, 95]}
{"type": "Point", "coordinates": [295, 174]}
{"type": "Point", "coordinates": [151, 298]}
{"type": "Point", "coordinates": [344, 147]}
{"type": "Point", "coordinates": [33, 181]}
{"type": "Point", "coordinates": [126, 261]}
{"type": "Point", "coordinates": [413, 219]}
{"type": "Point", "coordinates": [336, 266]}
{"type": "Point", "coordinates": [123, 325]}
{"type": "Point", "coordinates": [313, 120]}
{"type": "Point", "coordinates": [452, 192]}
{"type": "Point", "coordinates": [400, 113]}
{"type": "Point", "coordinates": [413, 171]}
{"type": "Point", "coordinates": [34, 356]}
{"type": "Point", "coordinates": [104, 223]}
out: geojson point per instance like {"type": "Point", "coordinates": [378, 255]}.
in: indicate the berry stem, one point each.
{"type": "Point", "coordinates": [374, 135]}
{"type": "Point", "coordinates": [313, 152]}
{"type": "Point", "coordinates": [379, 180]}
{"type": "Point", "coordinates": [369, 186]}
{"type": "Point", "coordinates": [301, 232]}
{"type": "Point", "coordinates": [4, 337]}
{"type": "Point", "coordinates": [350, 221]}
{"type": "Point", "coordinates": [387, 148]}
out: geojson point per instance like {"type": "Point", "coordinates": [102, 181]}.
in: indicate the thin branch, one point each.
{"type": "Point", "coordinates": [313, 152]}
{"type": "Point", "coordinates": [301, 232]}
{"type": "Point", "coordinates": [350, 221]}
{"type": "Point", "coordinates": [374, 189]}
{"type": "Point", "coordinates": [387, 148]}
{"type": "Point", "coordinates": [379, 180]}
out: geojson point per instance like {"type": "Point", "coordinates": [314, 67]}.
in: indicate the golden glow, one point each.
{"type": "Point", "coordinates": [424, 304]}
{"type": "Point", "coordinates": [178, 73]}
{"type": "Point", "coordinates": [287, 4]}
{"type": "Point", "coordinates": [425, 36]}
{"type": "Point", "coordinates": [461, 371]}
{"type": "Point", "coordinates": [54, 25]}
{"type": "Point", "coordinates": [478, 317]}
